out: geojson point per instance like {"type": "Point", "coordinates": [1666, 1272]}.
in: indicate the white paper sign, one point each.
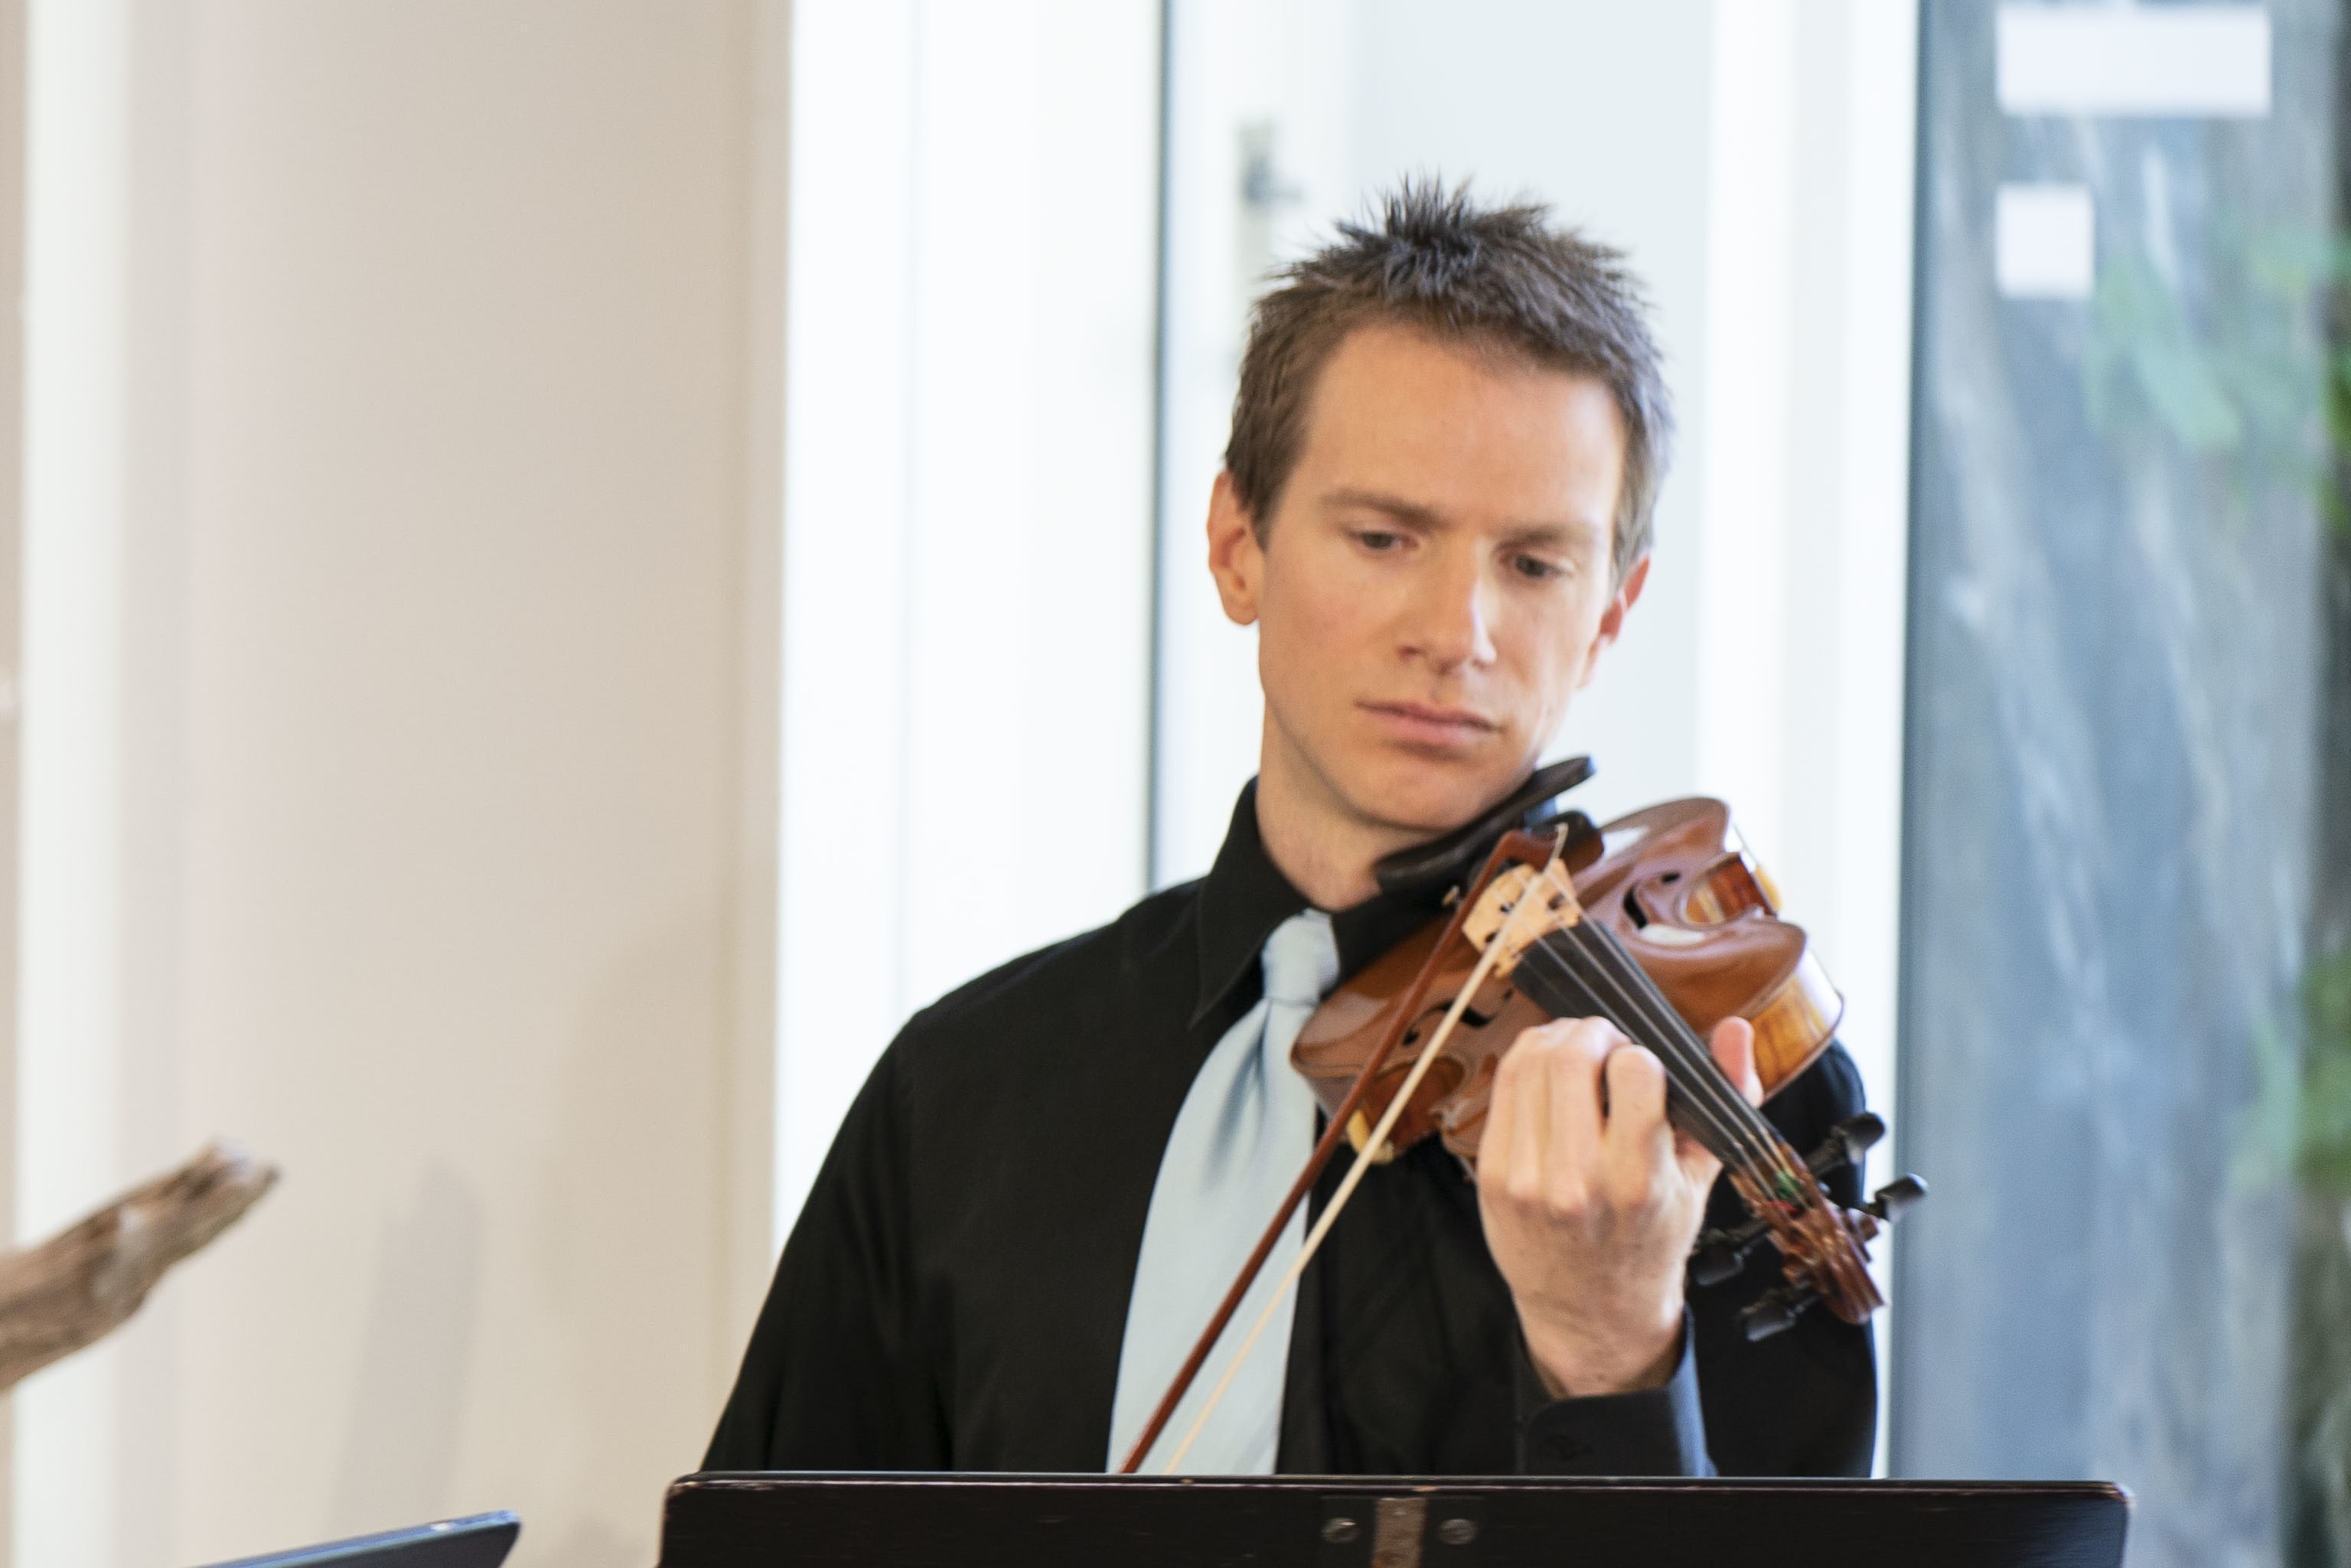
{"type": "Point", "coordinates": [2192, 61]}
{"type": "Point", "coordinates": [2045, 242]}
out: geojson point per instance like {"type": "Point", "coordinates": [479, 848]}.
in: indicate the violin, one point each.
{"type": "Point", "coordinates": [1662, 923]}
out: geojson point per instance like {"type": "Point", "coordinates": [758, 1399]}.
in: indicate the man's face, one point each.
{"type": "Point", "coordinates": [1435, 581]}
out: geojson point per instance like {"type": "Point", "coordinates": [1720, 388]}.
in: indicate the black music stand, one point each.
{"type": "Point", "coordinates": [772, 1521]}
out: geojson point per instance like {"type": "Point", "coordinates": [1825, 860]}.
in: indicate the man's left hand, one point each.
{"type": "Point", "coordinates": [1592, 1201]}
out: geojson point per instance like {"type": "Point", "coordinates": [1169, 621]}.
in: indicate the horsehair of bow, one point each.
{"type": "Point", "coordinates": [1495, 947]}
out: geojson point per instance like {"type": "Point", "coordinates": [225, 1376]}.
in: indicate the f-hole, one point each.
{"type": "Point", "coordinates": [1472, 1019]}
{"type": "Point", "coordinates": [1633, 910]}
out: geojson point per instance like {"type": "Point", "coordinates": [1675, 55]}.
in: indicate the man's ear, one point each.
{"type": "Point", "coordinates": [1612, 620]}
{"type": "Point", "coordinates": [1236, 558]}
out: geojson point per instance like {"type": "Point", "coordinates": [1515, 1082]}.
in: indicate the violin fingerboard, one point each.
{"type": "Point", "coordinates": [1564, 994]}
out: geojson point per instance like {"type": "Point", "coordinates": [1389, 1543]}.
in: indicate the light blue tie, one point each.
{"type": "Point", "coordinates": [1238, 1143]}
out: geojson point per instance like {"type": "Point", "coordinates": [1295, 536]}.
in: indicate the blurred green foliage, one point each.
{"type": "Point", "coordinates": [2324, 1144]}
{"type": "Point", "coordinates": [2236, 370]}
{"type": "Point", "coordinates": [2298, 1125]}
{"type": "Point", "coordinates": [2248, 369]}
{"type": "Point", "coordinates": [2244, 372]}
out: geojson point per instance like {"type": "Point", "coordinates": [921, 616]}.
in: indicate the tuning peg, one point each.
{"type": "Point", "coordinates": [1721, 1254]}
{"type": "Point", "coordinates": [1846, 1143]}
{"type": "Point", "coordinates": [1775, 1311]}
{"type": "Point", "coordinates": [1896, 1196]}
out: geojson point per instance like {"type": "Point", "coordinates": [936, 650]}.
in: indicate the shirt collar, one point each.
{"type": "Point", "coordinates": [1246, 896]}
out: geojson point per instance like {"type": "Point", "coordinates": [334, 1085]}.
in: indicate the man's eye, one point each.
{"type": "Point", "coordinates": [1534, 568]}
{"type": "Point", "coordinates": [1377, 538]}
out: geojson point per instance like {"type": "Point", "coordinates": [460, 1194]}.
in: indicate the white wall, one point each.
{"type": "Point", "coordinates": [968, 551]}
{"type": "Point", "coordinates": [399, 698]}
{"type": "Point", "coordinates": [12, 429]}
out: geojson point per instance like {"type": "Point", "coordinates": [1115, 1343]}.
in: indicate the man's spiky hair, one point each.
{"type": "Point", "coordinates": [1432, 259]}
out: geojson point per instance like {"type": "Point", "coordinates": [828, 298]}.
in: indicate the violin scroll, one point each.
{"type": "Point", "coordinates": [1722, 1254]}
{"type": "Point", "coordinates": [1777, 1309]}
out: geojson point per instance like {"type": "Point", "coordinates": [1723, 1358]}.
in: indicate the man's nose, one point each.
{"type": "Point", "coordinates": [1453, 617]}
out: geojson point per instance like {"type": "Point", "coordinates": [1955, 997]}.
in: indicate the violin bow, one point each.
{"type": "Point", "coordinates": [1324, 1148]}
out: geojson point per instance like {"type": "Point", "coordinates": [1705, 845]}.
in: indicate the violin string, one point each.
{"type": "Point", "coordinates": [1640, 1023]}
{"type": "Point", "coordinates": [1835, 1263]}
{"type": "Point", "coordinates": [1700, 1079]}
{"type": "Point", "coordinates": [1602, 945]}
{"type": "Point", "coordinates": [1705, 1086]}
{"type": "Point", "coordinates": [1606, 941]}
{"type": "Point", "coordinates": [1707, 1093]}
{"type": "Point", "coordinates": [1495, 947]}
{"type": "Point", "coordinates": [1732, 1147]}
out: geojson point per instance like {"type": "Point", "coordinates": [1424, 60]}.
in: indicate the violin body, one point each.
{"type": "Point", "coordinates": [1679, 891]}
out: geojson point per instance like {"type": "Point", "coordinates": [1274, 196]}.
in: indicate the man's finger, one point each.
{"type": "Point", "coordinates": [1499, 1141]}
{"type": "Point", "coordinates": [1530, 1069]}
{"type": "Point", "coordinates": [1734, 1049]}
{"type": "Point", "coordinates": [1638, 1140]}
{"type": "Point", "coordinates": [1733, 1045]}
{"type": "Point", "coordinates": [1636, 1094]}
{"type": "Point", "coordinates": [1577, 1058]}
{"type": "Point", "coordinates": [1494, 1139]}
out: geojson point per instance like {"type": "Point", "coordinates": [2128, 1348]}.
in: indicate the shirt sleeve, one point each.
{"type": "Point", "coordinates": [1802, 1403]}
{"type": "Point", "coordinates": [836, 1377]}
{"type": "Point", "coordinates": [1658, 1431]}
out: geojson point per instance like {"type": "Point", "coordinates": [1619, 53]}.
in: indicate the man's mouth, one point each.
{"type": "Point", "coordinates": [1429, 724]}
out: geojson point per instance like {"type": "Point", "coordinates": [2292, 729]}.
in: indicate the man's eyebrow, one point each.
{"type": "Point", "coordinates": [1554, 532]}
{"type": "Point", "coordinates": [1395, 507]}
{"type": "Point", "coordinates": [1560, 532]}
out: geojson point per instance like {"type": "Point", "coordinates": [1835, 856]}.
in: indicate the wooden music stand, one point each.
{"type": "Point", "coordinates": [770, 1520]}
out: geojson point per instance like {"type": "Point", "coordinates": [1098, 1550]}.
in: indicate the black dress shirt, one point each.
{"type": "Point", "coordinates": [954, 1294]}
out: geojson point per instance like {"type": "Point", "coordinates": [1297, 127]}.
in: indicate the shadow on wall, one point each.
{"type": "Point", "coordinates": [626, 1237]}
{"type": "Point", "coordinates": [410, 1394]}
{"type": "Point", "coordinates": [559, 1359]}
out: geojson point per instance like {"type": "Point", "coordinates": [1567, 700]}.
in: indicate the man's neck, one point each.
{"type": "Point", "coordinates": [1326, 849]}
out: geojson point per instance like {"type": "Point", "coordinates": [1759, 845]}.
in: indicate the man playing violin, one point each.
{"type": "Point", "coordinates": [1435, 509]}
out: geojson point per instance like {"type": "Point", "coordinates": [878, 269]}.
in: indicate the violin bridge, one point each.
{"type": "Point", "coordinates": [1495, 913]}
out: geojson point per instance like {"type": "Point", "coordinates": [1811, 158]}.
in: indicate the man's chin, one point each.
{"type": "Point", "coordinates": [1428, 798]}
